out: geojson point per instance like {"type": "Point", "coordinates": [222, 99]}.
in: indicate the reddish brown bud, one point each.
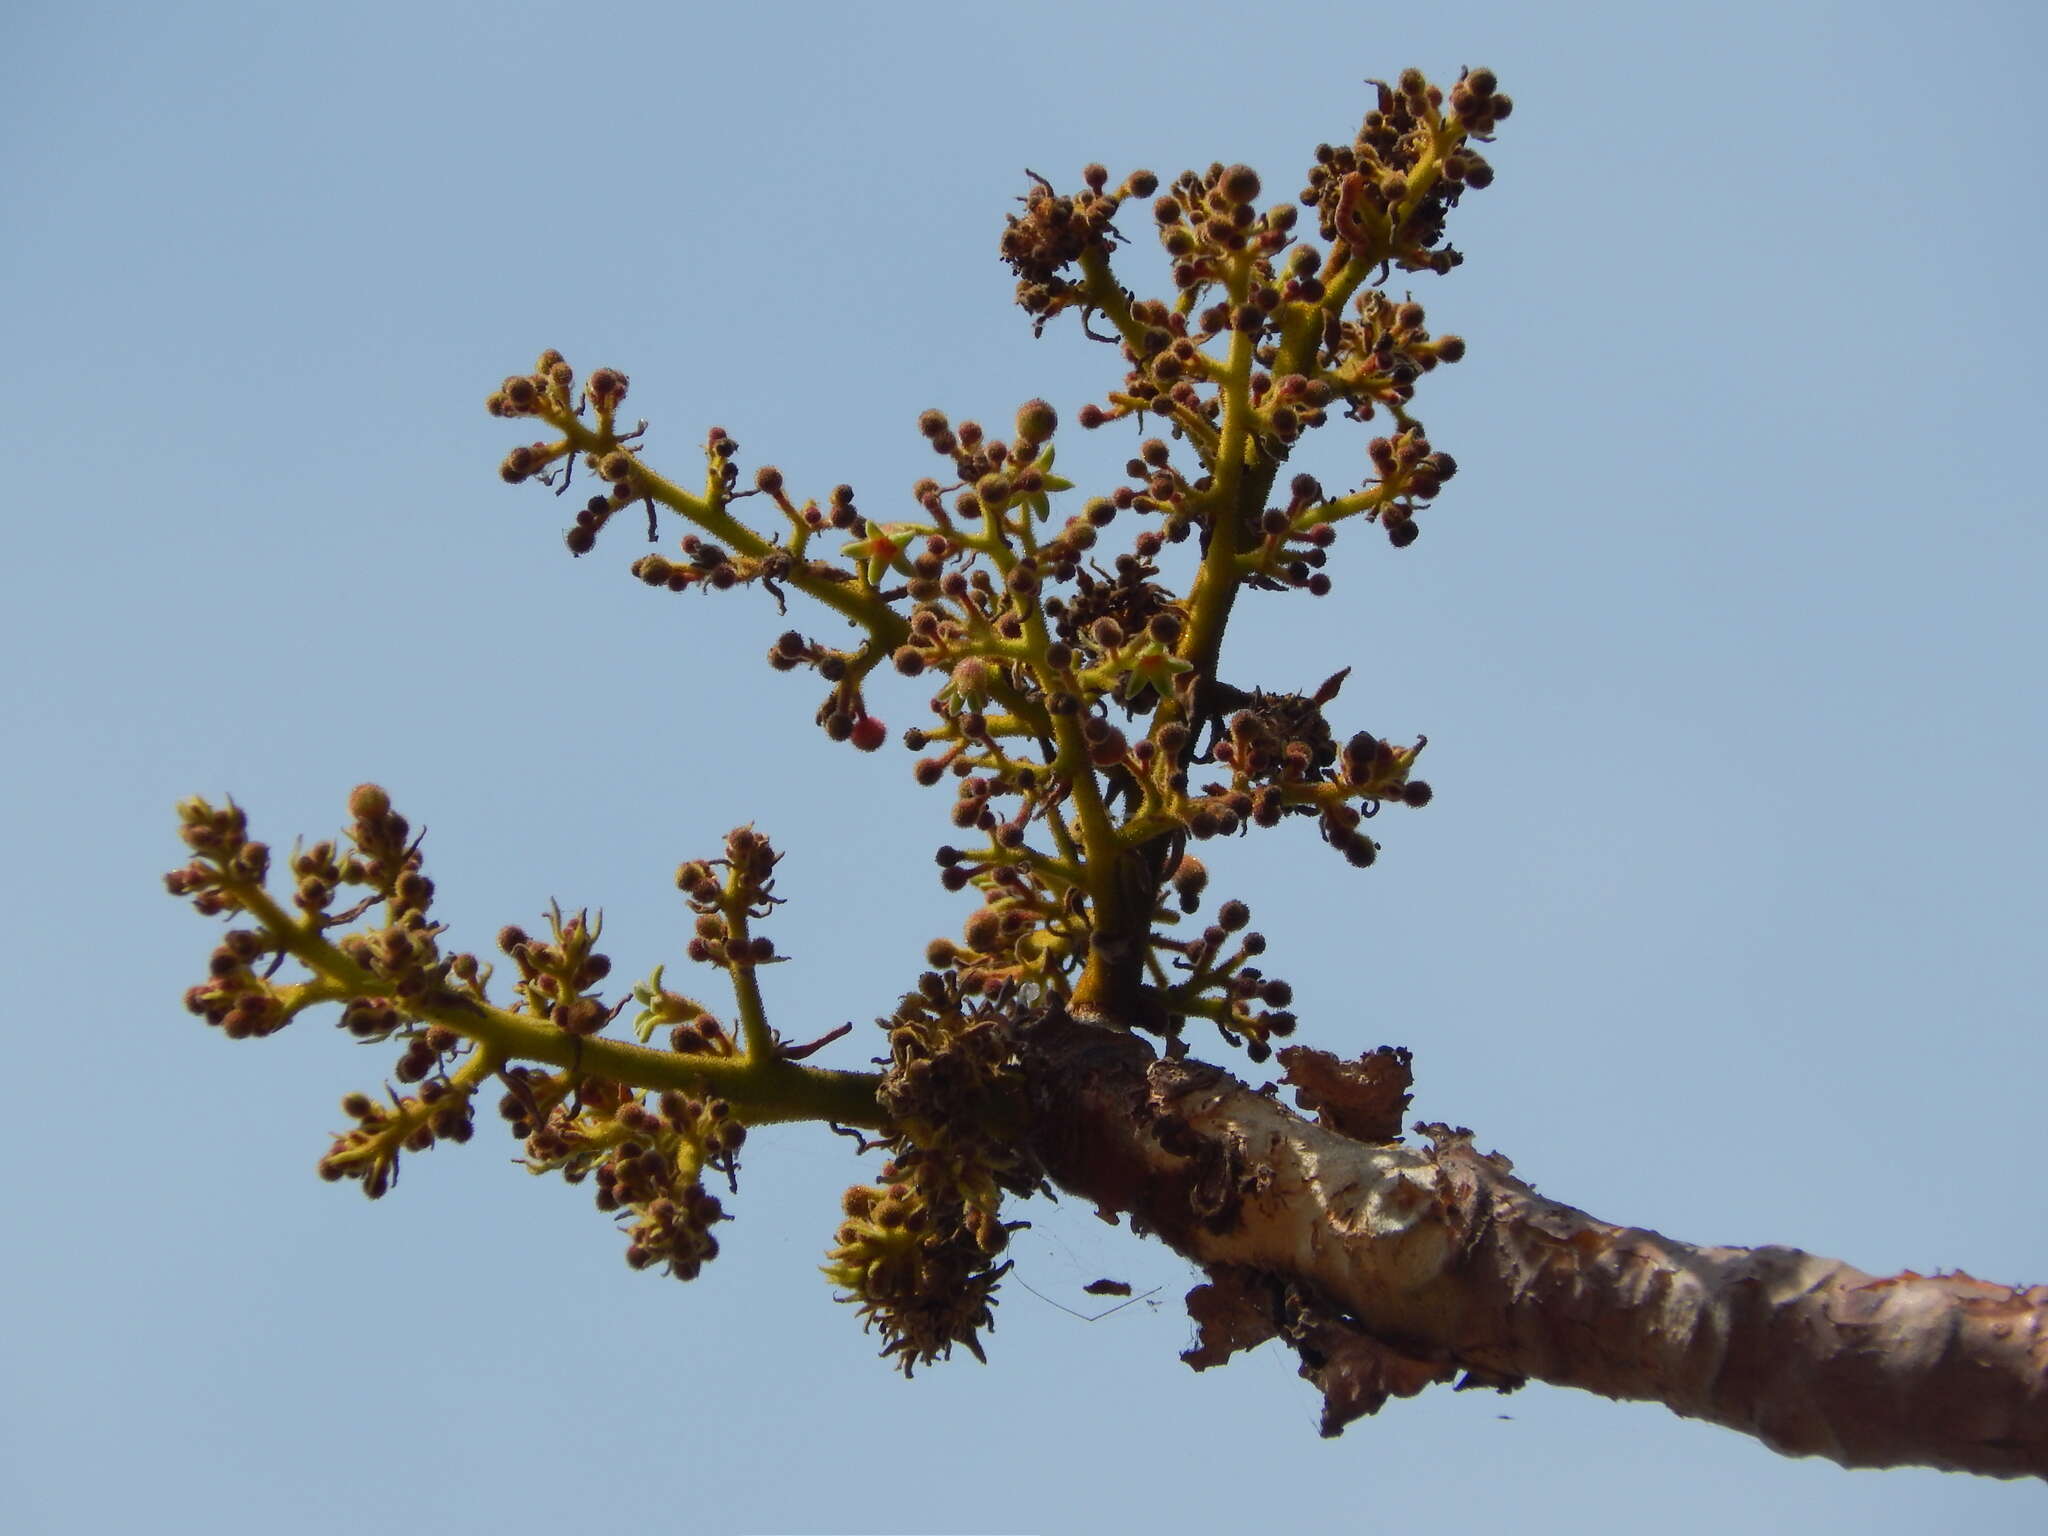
{"type": "Point", "coordinates": [1109, 749]}
{"type": "Point", "coordinates": [369, 802]}
{"type": "Point", "coordinates": [1036, 421]}
{"type": "Point", "coordinates": [1240, 184]}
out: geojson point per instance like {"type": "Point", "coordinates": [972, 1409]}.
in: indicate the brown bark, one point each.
{"type": "Point", "coordinates": [1390, 1266]}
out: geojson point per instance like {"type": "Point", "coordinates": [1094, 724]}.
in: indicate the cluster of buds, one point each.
{"type": "Point", "coordinates": [1025, 935]}
{"type": "Point", "coordinates": [645, 1155]}
{"type": "Point", "coordinates": [439, 1110]}
{"type": "Point", "coordinates": [556, 974]}
{"type": "Point", "coordinates": [1243, 276]}
{"type": "Point", "coordinates": [1284, 761]}
{"type": "Point", "coordinates": [707, 564]}
{"type": "Point", "coordinates": [919, 1252]}
{"type": "Point", "coordinates": [913, 1270]}
{"type": "Point", "coordinates": [382, 975]}
{"type": "Point", "coordinates": [1056, 231]}
{"type": "Point", "coordinates": [725, 903]}
{"type": "Point", "coordinates": [224, 856]}
{"type": "Point", "coordinates": [234, 998]}
{"type": "Point", "coordinates": [398, 961]}
{"type": "Point", "coordinates": [1390, 190]}
{"type": "Point", "coordinates": [844, 714]}
{"type": "Point", "coordinates": [550, 391]}
{"type": "Point", "coordinates": [1218, 982]}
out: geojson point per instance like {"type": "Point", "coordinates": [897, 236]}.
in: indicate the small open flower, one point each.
{"type": "Point", "coordinates": [1151, 663]}
{"type": "Point", "coordinates": [883, 550]}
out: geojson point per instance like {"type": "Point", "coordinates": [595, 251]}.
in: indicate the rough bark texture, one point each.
{"type": "Point", "coordinates": [1388, 1267]}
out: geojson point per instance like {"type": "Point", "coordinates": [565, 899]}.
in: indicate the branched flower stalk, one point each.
{"type": "Point", "coordinates": [1078, 716]}
{"type": "Point", "coordinates": [1090, 740]}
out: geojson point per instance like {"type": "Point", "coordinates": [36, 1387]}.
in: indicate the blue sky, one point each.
{"type": "Point", "coordinates": [1727, 640]}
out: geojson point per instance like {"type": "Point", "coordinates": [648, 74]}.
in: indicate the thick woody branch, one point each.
{"type": "Point", "coordinates": [1390, 1266]}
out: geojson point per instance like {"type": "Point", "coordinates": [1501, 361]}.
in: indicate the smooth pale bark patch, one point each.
{"type": "Point", "coordinates": [1388, 1266]}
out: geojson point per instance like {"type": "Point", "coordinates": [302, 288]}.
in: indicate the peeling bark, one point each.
{"type": "Point", "coordinates": [1389, 1266]}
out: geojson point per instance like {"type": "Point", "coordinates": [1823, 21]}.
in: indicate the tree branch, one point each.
{"type": "Point", "coordinates": [1390, 1266]}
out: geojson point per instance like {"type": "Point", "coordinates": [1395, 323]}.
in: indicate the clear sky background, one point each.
{"type": "Point", "coordinates": [1727, 640]}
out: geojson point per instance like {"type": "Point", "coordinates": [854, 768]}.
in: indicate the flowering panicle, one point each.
{"type": "Point", "coordinates": [1078, 715]}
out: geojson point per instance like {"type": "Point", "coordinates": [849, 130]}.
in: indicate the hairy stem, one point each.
{"type": "Point", "coordinates": [761, 1090]}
